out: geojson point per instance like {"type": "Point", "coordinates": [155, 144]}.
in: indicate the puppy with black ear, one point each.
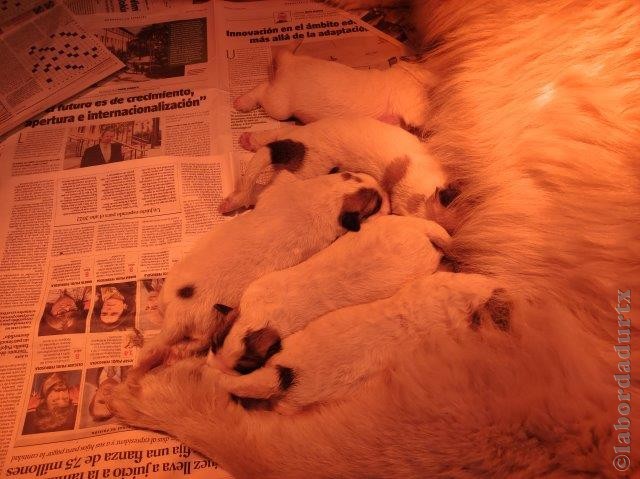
{"type": "Point", "coordinates": [359, 268]}
{"type": "Point", "coordinates": [400, 162]}
{"type": "Point", "coordinates": [293, 220]}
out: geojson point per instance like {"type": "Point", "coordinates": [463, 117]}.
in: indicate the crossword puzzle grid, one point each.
{"type": "Point", "coordinates": [11, 8]}
{"type": "Point", "coordinates": [11, 5]}
{"type": "Point", "coordinates": [67, 55]}
{"type": "Point", "coordinates": [8, 4]}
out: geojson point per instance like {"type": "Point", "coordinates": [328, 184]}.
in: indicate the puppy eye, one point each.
{"type": "Point", "coordinates": [447, 195]}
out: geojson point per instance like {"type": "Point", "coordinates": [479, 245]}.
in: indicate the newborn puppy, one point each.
{"type": "Point", "coordinates": [311, 89]}
{"type": "Point", "coordinates": [333, 355]}
{"type": "Point", "coordinates": [358, 268]}
{"type": "Point", "coordinates": [293, 220]}
{"type": "Point", "coordinates": [397, 159]}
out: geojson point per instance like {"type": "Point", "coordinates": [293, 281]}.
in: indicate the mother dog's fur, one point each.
{"type": "Point", "coordinates": [536, 115]}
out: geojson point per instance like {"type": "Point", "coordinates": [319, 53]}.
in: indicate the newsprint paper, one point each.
{"type": "Point", "coordinates": [47, 56]}
{"type": "Point", "coordinates": [102, 194]}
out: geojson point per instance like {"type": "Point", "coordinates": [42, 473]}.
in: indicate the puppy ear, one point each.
{"type": "Point", "coordinates": [359, 205]}
{"type": "Point", "coordinates": [350, 220]}
{"type": "Point", "coordinates": [222, 330]}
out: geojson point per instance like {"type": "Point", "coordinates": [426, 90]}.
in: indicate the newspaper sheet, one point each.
{"type": "Point", "coordinates": [47, 57]}
{"type": "Point", "coordinates": [102, 194]}
{"type": "Point", "coordinates": [106, 10]}
{"type": "Point", "coordinates": [85, 254]}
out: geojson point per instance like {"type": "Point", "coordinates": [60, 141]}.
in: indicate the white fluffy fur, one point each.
{"type": "Point", "coordinates": [293, 220]}
{"type": "Point", "coordinates": [352, 4]}
{"type": "Point", "coordinates": [326, 367]}
{"type": "Point", "coordinates": [358, 268]}
{"type": "Point", "coordinates": [536, 112]}
{"type": "Point", "coordinates": [299, 88]}
{"type": "Point", "coordinates": [352, 144]}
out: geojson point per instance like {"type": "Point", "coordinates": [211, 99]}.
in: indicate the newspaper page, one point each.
{"type": "Point", "coordinates": [47, 57]}
{"type": "Point", "coordinates": [102, 194]}
{"type": "Point", "coordinates": [114, 9]}
{"type": "Point", "coordinates": [84, 256]}
{"type": "Point", "coordinates": [80, 235]}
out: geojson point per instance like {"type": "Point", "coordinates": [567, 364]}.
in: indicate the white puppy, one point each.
{"type": "Point", "coordinates": [333, 355]}
{"type": "Point", "coordinates": [357, 268]}
{"type": "Point", "coordinates": [293, 220]}
{"type": "Point", "coordinates": [311, 89]}
{"type": "Point", "coordinates": [393, 156]}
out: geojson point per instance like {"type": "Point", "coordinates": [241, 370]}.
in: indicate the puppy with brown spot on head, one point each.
{"type": "Point", "coordinates": [293, 220]}
{"type": "Point", "coordinates": [373, 264]}
{"type": "Point", "coordinates": [399, 161]}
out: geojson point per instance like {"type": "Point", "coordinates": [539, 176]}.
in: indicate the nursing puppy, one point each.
{"type": "Point", "coordinates": [536, 114]}
{"type": "Point", "coordinates": [321, 364]}
{"type": "Point", "coordinates": [357, 268]}
{"type": "Point", "coordinates": [293, 220]}
{"type": "Point", "coordinates": [311, 89]}
{"type": "Point", "coordinates": [399, 161]}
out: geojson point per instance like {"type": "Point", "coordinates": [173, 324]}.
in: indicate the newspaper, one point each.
{"type": "Point", "coordinates": [47, 57]}
{"type": "Point", "coordinates": [102, 194]}
{"type": "Point", "coordinates": [108, 10]}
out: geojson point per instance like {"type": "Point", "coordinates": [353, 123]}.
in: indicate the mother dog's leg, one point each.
{"type": "Point", "coordinates": [311, 89]}
{"type": "Point", "coordinates": [184, 401]}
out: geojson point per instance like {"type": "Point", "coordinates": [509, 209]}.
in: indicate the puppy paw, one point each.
{"type": "Point", "coordinates": [227, 205]}
{"type": "Point", "coordinates": [234, 202]}
{"type": "Point", "coordinates": [162, 398]}
{"type": "Point", "coordinates": [245, 141]}
{"type": "Point", "coordinates": [245, 103]}
{"type": "Point", "coordinates": [126, 401]}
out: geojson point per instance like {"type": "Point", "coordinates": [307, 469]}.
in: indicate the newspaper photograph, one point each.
{"type": "Point", "coordinates": [115, 10]}
{"type": "Point", "coordinates": [160, 46]}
